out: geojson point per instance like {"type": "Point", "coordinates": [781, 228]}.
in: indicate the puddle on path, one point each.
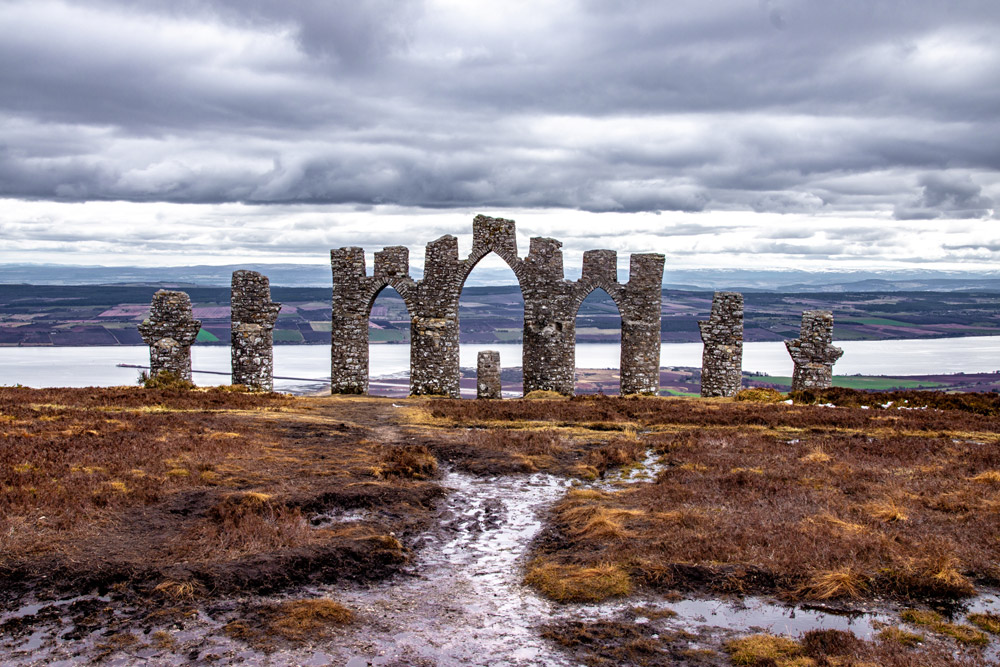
{"type": "Point", "coordinates": [461, 601]}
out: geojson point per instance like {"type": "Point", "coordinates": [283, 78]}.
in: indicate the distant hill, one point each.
{"type": "Point", "coordinates": [318, 275]}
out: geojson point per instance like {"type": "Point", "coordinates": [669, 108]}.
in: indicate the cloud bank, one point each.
{"type": "Point", "coordinates": [831, 112]}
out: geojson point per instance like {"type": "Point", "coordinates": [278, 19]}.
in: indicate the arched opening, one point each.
{"type": "Point", "coordinates": [598, 345]}
{"type": "Point", "coordinates": [388, 345]}
{"type": "Point", "coordinates": [491, 317]}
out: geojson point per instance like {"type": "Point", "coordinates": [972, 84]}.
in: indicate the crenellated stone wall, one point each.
{"type": "Point", "coordinates": [550, 306]}
{"type": "Point", "coordinates": [488, 374]}
{"type": "Point", "coordinates": [722, 357]}
{"type": "Point", "coordinates": [170, 331]}
{"type": "Point", "coordinates": [813, 352]}
{"type": "Point", "coordinates": [252, 315]}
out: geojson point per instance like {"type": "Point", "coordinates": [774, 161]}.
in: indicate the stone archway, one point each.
{"type": "Point", "coordinates": [550, 305]}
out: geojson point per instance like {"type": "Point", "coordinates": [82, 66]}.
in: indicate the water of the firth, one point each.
{"type": "Point", "coordinates": [97, 366]}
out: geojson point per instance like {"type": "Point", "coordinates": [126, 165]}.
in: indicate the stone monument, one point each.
{"type": "Point", "coordinates": [812, 351]}
{"type": "Point", "coordinates": [550, 306]}
{"type": "Point", "coordinates": [170, 331]}
{"type": "Point", "coordinates": [252, 324]}
{"type": "Point", "coordinates": [488, 374]}
{"type": "Point", "coordinates": [722, 357]}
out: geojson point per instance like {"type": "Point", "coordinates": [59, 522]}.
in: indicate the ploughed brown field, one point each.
{"type": "Point", "coordinates": [166, 502]}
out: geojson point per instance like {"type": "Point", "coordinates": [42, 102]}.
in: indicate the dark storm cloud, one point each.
{"type": "Point", "coordinates": [946, 196]}
{"type": "Point", "coordinates": [770, 106]}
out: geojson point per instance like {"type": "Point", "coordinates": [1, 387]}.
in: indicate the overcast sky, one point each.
{"type": "Point", "coordinates": [748, 133]}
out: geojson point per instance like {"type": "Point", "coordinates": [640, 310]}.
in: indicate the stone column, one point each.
{"type": "Point", "coordinates": [488, 375]}
{"type": "Point", "coordinates": [722, 334]}
{"type": "Point", "coordinates": [349, 323]}
{"type": "Point", "coordinates": [641, 304]}
{"type": "Point", "coordinates": [252, 317]}
{"type": "Point", "coordinates": [434, 365]}
{"type": "Point", "coordinates": [812, 351]}
{"type": "Point", "coordinates": [170, 331]}
{"type": "Point", "coordinates": [549, 354]}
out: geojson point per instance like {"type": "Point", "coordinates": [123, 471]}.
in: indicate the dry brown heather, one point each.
{"type": "Point", "coordinates": [185, 492]}
{"type": "Point", "coordinates": [606, 643]}
{"type": "Point", "coordinates": [808, 502]}
{"type": "Point", "coordinates": [172, 495]}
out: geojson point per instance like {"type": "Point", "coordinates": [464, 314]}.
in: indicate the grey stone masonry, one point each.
{"type": "Point", "coordinates": [550, 306]}
{"type": "Point", "coordinates": [170, 331]}
{"type": "Point", "coordinates": [488, 375]}
{"type": "Point", "coordinates": [812, 351]}
{"type": "Point", "coordinates": [354, 293]}
{"type": "Point", "coordinates": [253, 315]}
{"type": "Point", "coordinates": [722, 357]}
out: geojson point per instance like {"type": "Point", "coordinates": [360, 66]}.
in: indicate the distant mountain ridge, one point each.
{"type": "Point", "coordinates": [318, 275]}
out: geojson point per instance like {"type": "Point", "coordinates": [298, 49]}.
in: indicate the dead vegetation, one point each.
{"type": "Point", "coordinates": [177, 494]}
{"type": "Point", "coordinates": [266, 626]}
{"type": "Point", "coordinates": [804, 501]}
{"type": "Point", "coordinates": [610, 642]}
{"type": "Point", "coordinates": [821, 648]}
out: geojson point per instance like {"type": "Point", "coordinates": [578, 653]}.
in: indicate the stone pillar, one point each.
{"type": "Point", "coordinates": [252, 317]}
{"type": "Point", "coordinates": [549, 326]}
{"type": "Point", "coordinates": [722, 334]}
{"type": "Point", "coordinates": [349, 323]}
{"type": "Point", "coordinates": [812, 351]}
{"type": "Point", "coordinates": [640, 309]}
{"type": "Point", "coordinates": [170, 331]}
{"type": "Point", "coordinates": [488, 375]}
{"type": "Point", "coordinates": [434, 326]}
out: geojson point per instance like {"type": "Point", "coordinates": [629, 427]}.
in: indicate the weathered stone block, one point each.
{"type": "Point", "coordinates": [496, 234]}
{"type": "Point", "coordinates": [722, 357]}
{"type": "Point", "coordinates": [600, 266]}
{"type": "Point", "coordinates": [170, 331]}
{"type": "Point", "coordinates": [812, 351]}
{"type": "Point", "coordinates": [392, 262]}
{"type": "Point", "coordinates": [253, 315]}
{"type": "Point", "coordinates": [488, 374]}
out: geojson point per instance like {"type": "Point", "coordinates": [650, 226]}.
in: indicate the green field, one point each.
{"type": "Point", "coordinates": [287, 336]}
{"type": "Point", "coordinates": [877, 320]}
{"type": "Point", "coordinates": [386, 335]}
{"type": "Point", "coordinates": [207, 337]}
{"type": "Point", "coordinates": [876, 382]}
{"type": "Point", "coordinates": [674, 392]}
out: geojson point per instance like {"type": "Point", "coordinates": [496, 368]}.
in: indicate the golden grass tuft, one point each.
{"type": "Point", "coordinates": [603, 523]}
{"type": "Point", "coordinates": [989, 622]}
{"type": "Point", "coordinates": [573, 583]}
{"type": "Point", "coordinates": [584, 471]}
{"type": "Point", "coordinates": [827, 519]}
{"type": "Point", "coordinates": [407, 461]}
{"type": "Point", "coordinates": [887, 510]}
{"type": "Point", "coordinates": [760, 395]}
{"type": "Point", "coordinates": [816, 456]}
{"type": "Point", "coordinates": [843, 582]}
{"type": "Point", "coordinates": [894, 635]}
{"type": "Point", "coordinates": [297, 620]}
{"type": "Point", "coordinates": [988, 477]}
{"type": "Point", "coordinates": [542, 395]}
{"type": "Point", "coordinates": [766, 649]}
{"type": "Point", "coordinates": [178, 590]}
{"type": "Point", "coordinates": [923, 617]}
{"type": "Point", "coordinates": [963, 634]}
